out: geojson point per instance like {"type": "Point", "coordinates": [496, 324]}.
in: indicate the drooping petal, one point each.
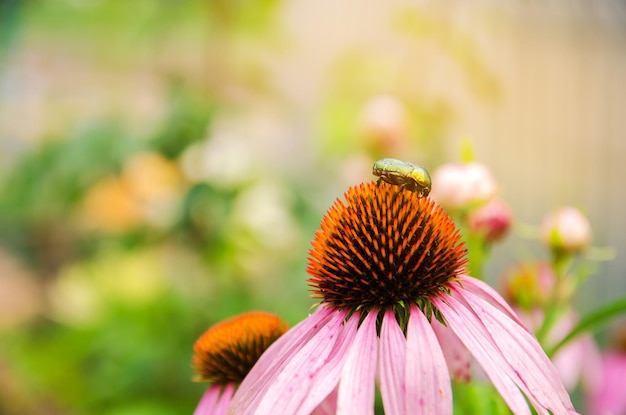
{"type": "Point", "coordinates": [570, 360]}
{"type": "Point", "coordinates": [458, 358]}
{"type": "Point", "coordinates": [485, 291]}
{"type": "Point", "coordinates": [428, 389]}
{"type": "Point", "coordinates": [357, 385]}
{"type": "Point", "coordinates": [208, 401]}
{"type": "Point", "coordinates": [271, 363]}
{"type": "Point", "coordinates": [476, 338]}
{"type": "Point", "coordinates": [317, 364]}
{"type": "Point", "coordinates": [537, 376]}
{"type": "Point", "coordinates": [391, 361]}
{"type": "Point", "coordinates": [222, 404]}
{"type": "Point", "coordinates": [592, 364]}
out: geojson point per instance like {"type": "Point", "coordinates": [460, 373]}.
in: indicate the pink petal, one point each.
{"type": "Point", "coordinates": [357, 385]}
{"type": "Point", "coordinates": [592, 363]}
{"type": "Point", "coordinates": [427, 380]}
{"type": "Point", "coordinates": [507, 353]}
{"type": "Point", "coordinates": [328, 377]}
{"type": "Point", "coordinates": [537, 376]}
{"type": "Point", "coordinates": [328, 406]}
{"type": "Point", "coordinates": [391, 362]}
{"type": "Point", "coordinates": [275, 358]}
{"type": "Point", "coordinates": [311, 373]}
{"type": "Point", "coordinates": [570, 361]}
{"type": "Point", "coordinates": [458, 358]}
{"type": "Point", "coordinates": [222, 404]}
{"type": "Point", "coordinates": [207, 403]}
{"type": "Point", "coordinates": [485, 291]}
{"type": "Point", "coordinates": [476, 338]}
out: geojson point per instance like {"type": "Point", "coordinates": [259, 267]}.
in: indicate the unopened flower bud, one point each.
{"type": "Point", "coordinates": [492, 220]}
{"type": "Point", "coordinates": [459, 186]}
{"type": "Point", "coordinates": [566, 230]}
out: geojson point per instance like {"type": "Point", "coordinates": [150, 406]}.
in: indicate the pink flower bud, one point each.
{"type": "Point", "coordinates": [459, 186]}
{"type": "Point", "coordinates": [492, 220]}
{"type": "Point", "coordinates": [566, 230]}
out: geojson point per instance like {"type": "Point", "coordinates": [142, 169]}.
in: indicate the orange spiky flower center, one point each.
{"type": "Point", "coordinates": [227, 351]}
{"type": "Point", "coordinates": [384, 247]}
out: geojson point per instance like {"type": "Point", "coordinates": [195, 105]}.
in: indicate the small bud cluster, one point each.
{"type": "Point", "coordinates": [469, 191]}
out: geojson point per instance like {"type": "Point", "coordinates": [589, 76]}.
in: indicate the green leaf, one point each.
{"type": "Point", "coordinates": [478, 398]}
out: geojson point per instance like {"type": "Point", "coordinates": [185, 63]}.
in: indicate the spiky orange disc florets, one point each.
{"type": "Point", "coordinates": [382, 247]}
{"type": "Point", "coordinates": [227, 351]}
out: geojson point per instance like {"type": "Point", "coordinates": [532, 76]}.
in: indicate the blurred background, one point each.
{"type": "Point", "coordinates": [164, 165]}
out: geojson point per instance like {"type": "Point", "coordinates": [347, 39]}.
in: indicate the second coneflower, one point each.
{"type": "Point", "coordinates": [389, 269]}
{"type": "Point", "coordinates": [226, 352]}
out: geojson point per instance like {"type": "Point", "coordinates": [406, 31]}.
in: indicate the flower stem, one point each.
{"type": "Point", "coordinates": [561, 261]}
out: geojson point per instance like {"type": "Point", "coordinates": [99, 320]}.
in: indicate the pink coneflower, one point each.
{"type": "Point", "coordinates": [226, 352]}
{"type": "Point", "coordinates": [389, 265]}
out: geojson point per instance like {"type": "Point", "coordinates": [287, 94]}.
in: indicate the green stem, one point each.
{"type": "Point", "coordinates": [478, 251]}
{"type": "Point", "coordinates": [561, 261]}
{"type": "Point", "coordinates": [551, 316]}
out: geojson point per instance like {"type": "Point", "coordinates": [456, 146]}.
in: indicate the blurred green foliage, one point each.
{"type": "Point", "coordinates": [47, 185]}
{"type": "Point", "coordinates": [105, 340]}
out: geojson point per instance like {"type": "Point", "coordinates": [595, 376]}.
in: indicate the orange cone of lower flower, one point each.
{"type": "Point", "coordinates": [226, 352]}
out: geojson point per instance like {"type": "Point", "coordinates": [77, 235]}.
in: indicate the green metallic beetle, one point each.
{"type": "Point", "coordinates": [410, 176]}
